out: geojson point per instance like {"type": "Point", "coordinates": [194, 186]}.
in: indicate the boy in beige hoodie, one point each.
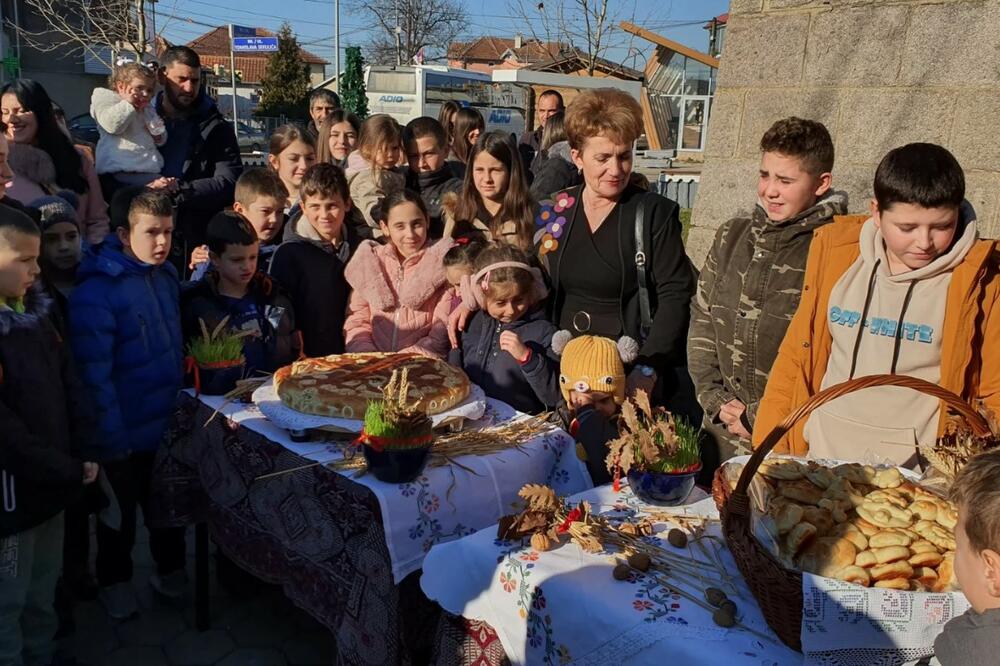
{"type": "Point", "coordinates": [911, 292]}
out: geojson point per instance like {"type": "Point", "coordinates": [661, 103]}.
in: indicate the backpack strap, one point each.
{"type": "Point", "coordinates": [645, 311]}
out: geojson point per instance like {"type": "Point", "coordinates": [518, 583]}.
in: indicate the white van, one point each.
{"type": "Point", "coordinates": [409, 92]}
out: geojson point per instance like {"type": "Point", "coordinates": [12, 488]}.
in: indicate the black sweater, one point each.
{"type": "Point", "coordinates": [312, 274]}
{"type": "Point", "coordinates": [431, 187]}
{"type": "Point", "coordinates": [670, 275]}
{"type": "Point", "coordinates": [42, 415]}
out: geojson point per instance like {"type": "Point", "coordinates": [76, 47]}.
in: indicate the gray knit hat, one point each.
{"type": "Point", "coordinates": [60, 207]}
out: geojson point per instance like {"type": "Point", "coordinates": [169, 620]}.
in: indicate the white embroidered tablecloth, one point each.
{"type": "Point", "coordinates": [563, 606]}
{"type": "Point", "coordinates": [444, 503]}
{"type": "Point", "coordinates": [847, 625]}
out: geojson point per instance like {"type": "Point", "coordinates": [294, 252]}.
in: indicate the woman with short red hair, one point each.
{"type": "Point", "coordinates": [614, 251]}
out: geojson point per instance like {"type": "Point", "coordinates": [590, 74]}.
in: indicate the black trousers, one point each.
{"type": "Point", "coordinates": [130, 479]}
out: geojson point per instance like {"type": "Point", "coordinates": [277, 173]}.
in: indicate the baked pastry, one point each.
{"type": "Point", "coordinates": [891, 570]}
{"type": "Point", "coordinates": [894, 584]}
{"type": "Point", "coordinates": [946, 575]}
{"type": "Point", "coordinates": [866, 525]}
{"type": "Point", "coordinates": [799, 536]}
{"type": "Point", "coordinates": [781, 469]}
{"type": "Point", "coordinates": [342, 386]}
{"type": "Point", "coordinates": [855, 574]}
{"type": "Point", "coordinates": [827, 556]}
{"type": "Point", "coordinates": [891, 554]}
{"type": "Point", "coordinates": [926, 559]}
{"type": "Point", "coordinates": [890, 537]}
{"type": "Point", "coordinates": [801, 491]}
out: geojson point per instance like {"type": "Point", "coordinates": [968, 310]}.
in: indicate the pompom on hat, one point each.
{"type": "Point", "coordinates": [592, 363]}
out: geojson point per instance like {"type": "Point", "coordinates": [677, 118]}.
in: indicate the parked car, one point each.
{"type": "Point", "coordinates": [84, 128]}
{"type": "Point", "coordinates": [250, 139]}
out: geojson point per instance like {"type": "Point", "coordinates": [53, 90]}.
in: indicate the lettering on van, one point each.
{"type": "Point", "coordinates": [391, 99]}
{"type": "Point", "coordinates": [500, 116]}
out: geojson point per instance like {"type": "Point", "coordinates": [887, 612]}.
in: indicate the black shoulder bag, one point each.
{"type": "Point", "coordinates": [645, 309]}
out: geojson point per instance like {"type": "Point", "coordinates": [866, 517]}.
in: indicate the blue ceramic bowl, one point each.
{"type": "Point", "coordinates": [669, 489]}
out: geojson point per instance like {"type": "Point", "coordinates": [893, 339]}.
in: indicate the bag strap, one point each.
{"type": "Point", "coordinates": [645, 312]}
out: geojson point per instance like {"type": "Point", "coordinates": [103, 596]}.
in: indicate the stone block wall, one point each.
{"type": "Point", "coordinates": [877, 73]}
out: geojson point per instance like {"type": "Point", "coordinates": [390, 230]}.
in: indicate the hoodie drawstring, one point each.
{"type": "Point", "coordinates": [864, 318]}
{"type": "Point", "coordinates": [899, 327]}
{"type": "Point", "coordinates": [898, 336]}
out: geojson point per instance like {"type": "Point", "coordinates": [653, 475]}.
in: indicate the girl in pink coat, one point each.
{"type": "Point", "coordinates": [401, 297]}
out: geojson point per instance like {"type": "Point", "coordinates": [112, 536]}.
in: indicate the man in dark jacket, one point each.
{"type": "Point", "coordinates": [124, 324]}
{"type": "Point", "coordinates": [549, 103]}
{"type": "Point", "coordinates": [430, 174]}
{"type": "Point", "coordinates": [322, 103]}
{"type": "Point", "coordinates": [42, 418]}
{"type": "Point", "coordinates": [201, 157]}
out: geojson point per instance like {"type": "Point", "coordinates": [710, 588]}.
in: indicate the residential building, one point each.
{"type": "Point", "coordinates": [213, 49]}
{"type": "Point", "coordinates": [484, 54]}
{"type": "Point", "coordinates": [489, 53]}
{"type": "Point", "coordinates": [680, 84]}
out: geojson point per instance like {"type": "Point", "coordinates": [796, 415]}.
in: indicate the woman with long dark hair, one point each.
{"type": "Point", "coordinates": [467, 127]}
{"type": "Point", "coordinates": [44, 159]}
{"type": "Point", "coordinates": [495, 200]}
{"type": "Point", "coordinates": [446, 116]}
{"type": "Point", "coordinates": [338, 136]}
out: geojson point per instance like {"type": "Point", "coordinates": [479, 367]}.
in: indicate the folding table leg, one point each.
{"type": "Point", "coordinates": [201, 606]}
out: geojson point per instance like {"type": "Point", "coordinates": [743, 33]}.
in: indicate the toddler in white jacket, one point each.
{"type": "Point", "coordinates": [129, 126]}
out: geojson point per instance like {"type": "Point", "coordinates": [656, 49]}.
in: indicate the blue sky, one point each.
{"type": "Point", "coordinates": [183, 20]}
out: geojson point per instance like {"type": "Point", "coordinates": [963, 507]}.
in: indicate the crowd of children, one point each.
{"type": "Point", "coordinates": [368, 237]}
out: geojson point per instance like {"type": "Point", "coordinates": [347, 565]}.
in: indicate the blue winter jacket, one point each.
{"type": "Point", "coordinates": [531, 388]}
{"type": "Point", "coordinates": [125, 331]}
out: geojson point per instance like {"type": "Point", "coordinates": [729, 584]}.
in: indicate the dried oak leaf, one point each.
{"type": "Point", "coordinates": [532, 521]}
{"type": "Point", "coordinates": [620, 454]}
{"type": "Point", "coordinates": [504, 527]}
{"type": "Point", "coordinates": [642, 400]}
{"type": "Point", "coordinates": [588, 543]}
{"type": "Point", "coordinates": [647, 447]}
{"type": "Point", "coordinates": [521, 525]}
{"type": "Point", "coordinates": [630, 417]}
{"type": "Point", "coordinates": [539, 497]}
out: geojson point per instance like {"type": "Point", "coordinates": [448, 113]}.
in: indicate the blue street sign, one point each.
{"type": "Point", "coordinates": [242, 31]}
{"type": "Point", "coordinates": [241, 44]}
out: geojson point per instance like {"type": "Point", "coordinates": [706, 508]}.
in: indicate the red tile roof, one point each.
{"type": "Point", "coordinates": [216, 43]}
{"type": "Point", "coordinates": [721, 19]}
{"type": "Point", "coordinates": [490, 48]}
{"type": "Point", "coordinates": [252, 68]}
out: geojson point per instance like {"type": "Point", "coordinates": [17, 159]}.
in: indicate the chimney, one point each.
{"type": "Point", "coordinates": [518, 41]}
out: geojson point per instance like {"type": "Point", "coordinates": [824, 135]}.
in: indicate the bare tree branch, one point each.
{"type": "Point", "coordinates": [87, 27]}
{"type": "Point", "coordinates": [591, 26]}
{"type": "Point", "coordinates": [423, 24]}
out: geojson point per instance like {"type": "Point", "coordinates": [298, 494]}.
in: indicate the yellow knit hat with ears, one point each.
{"type": "Point", "coordinates": [592, 363]}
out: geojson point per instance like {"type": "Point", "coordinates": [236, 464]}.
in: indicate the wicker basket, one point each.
{"type": "Point", "coordinates": [778, 590]}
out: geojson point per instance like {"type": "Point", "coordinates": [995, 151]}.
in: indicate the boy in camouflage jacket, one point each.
{"type": "Point", "coordinates": [751, 282]}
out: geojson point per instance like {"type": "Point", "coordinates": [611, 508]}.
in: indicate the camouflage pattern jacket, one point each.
{"type": "Point", "coordinates": [747, 293]}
